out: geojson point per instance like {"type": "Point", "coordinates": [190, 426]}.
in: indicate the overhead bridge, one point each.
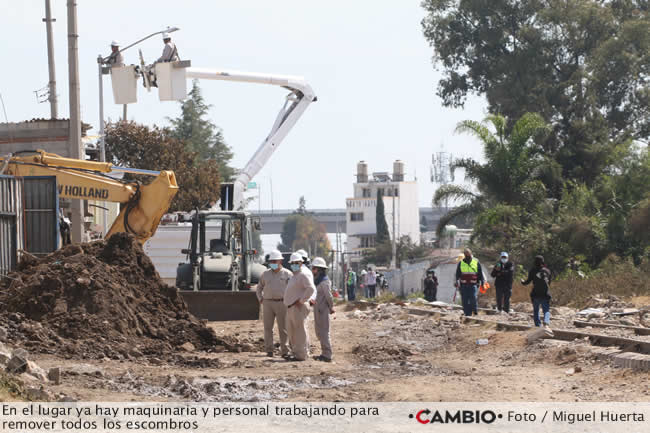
{"type": "Point", "coordinates": [333, 219]}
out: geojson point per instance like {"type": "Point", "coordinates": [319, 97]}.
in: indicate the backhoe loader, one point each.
{"type": "Point", "coordinates": [142, 205]}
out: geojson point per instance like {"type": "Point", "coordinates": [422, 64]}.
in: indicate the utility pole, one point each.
{"type": "Point", "coordinates": [50, 61]}
{"type": "Point", "coordinates": [76, 151]}
{"type": "Point", "coordinates": [393, 262]}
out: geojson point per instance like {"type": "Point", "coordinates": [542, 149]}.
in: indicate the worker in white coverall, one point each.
{"type": "Point", "coordinates": [323, 308]}
{"type": "Point", "coordinates": [299, 290]}
{"type": "Point", "coordinates": [170, 53]}
{"type": "Point", "coordinates": [116, 58]}
{"type": "Point", "coordinates": [270, 293]}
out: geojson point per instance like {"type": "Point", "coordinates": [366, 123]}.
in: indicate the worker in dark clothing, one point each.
{"type": "Point", "coordinates": [431, 286]}
{"type": "Point", "coordinates": [503, 273]}
{"type": "Point", "coordinates": [469, 275]}
{"type": "Point", "coordinates": [540, 276]}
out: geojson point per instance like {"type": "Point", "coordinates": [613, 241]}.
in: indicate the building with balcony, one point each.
{"type": "Point", "coordinates": [401, 209]}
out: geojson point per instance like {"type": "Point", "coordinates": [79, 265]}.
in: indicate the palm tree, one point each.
{"type": "Point", "coordinates": [512, 159]}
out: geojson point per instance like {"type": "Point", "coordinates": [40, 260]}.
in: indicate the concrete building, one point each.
{"type": "Point", "coordinates": [46, 134]}
{"type": "Point", "coordinates": [401, 208]}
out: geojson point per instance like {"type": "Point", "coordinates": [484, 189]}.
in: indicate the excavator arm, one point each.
{"type": "Point", "coordinates": [142, 205]}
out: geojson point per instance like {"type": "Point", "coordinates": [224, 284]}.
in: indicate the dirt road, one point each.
{"type": "Point", "coordinates": [381, 354]}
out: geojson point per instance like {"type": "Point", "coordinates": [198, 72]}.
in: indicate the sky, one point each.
{"type": "Point", "coordinates": [366, 60]}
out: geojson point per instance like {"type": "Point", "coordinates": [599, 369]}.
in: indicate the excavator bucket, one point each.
{"type": "Point", "coordinates": [221, 305]}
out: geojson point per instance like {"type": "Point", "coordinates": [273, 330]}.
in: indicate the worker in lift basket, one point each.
{"type": "Point", "coordinates": [270, 293]}
{"type": "Point", "coordinates": [116, 58]}
{"type": "Point", "coordinates": [299, 291]}
{"type": "Point", "coordinates": [323, 308]}
{"type": "Point", "coordinates": [170, 53]}
{"type": "Point", "coordinates": [469, 275]}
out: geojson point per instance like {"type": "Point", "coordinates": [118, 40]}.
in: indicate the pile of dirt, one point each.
{"type": "Point", "coordinates": [103, 299]}
{"type": "Point", "coordinates": [611, 302]}
{"type": "Point", "coordinates": [380, 352]}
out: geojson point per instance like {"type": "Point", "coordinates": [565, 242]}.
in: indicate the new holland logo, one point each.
{"type": "Point", "coordinates": [427, 416]}
{"type": "Point", "coordinates": [83, 191]}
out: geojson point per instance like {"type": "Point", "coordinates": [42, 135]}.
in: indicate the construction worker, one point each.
{"type": "Point", "coordinates": [305, 257]}
{"type": "Point", "coordinates": [503, 272]}
{"type": "Point", "coordinates": [469, 275]}
{"type": "Point", "coordinates": [352, 285]}
{"type": "Point", "coordinates": [116, 58]}
{"type": "Point", "coordinates": [170, 53]}
{"type": "Point", "coordinates": [431, 286]}
{"type": "Point", "coordinates": [371, 283]}
{"type": "Point", "coordinates": [323, 308]}
{"type": "Point", "coordinates": [270, 293]}
{"type": "Point", "coordinates": [307, 263]}
{"type": "Point", "coordinates": [362, 282]}
{"type": "Point", "coordinates": [540, 276]}
{"type": "Point", "coordinates": [299, 291]}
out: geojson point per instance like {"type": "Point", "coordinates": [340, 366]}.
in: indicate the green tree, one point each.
{"type": "Point", "coordinates": [382, 226]}
{"type": "Point", "coordinates": [200, 134]}
{"type": "Point", "coordinates": [302, 231]}
{"type": "Point", "coordinates": [513, 161]}
{"type": "Point", "coordinates": [152, 148]}
{"type": "Point", "coordinates": [581, 64]}
{"type": "Point", "coordinates": [288, 235]}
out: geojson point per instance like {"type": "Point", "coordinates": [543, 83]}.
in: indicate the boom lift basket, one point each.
{"type": "Point", "coordinates": [125, 84]}
{"type": "Point", "coordinates": [171, 80]}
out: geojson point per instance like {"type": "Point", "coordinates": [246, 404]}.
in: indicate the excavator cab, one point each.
{"type": "Point", "coordinates": [217, 282]}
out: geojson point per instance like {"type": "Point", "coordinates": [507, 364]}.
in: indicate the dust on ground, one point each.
{"type": "Point", "coordinates": [380, 354]}
{"type": "Point", "coordinates": [100, 315]}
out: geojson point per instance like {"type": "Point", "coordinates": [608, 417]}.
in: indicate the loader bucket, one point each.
{"type": "Point", "coordinates": [220, 305]}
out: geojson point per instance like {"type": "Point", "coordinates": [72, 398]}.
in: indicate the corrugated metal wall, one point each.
{"type": "Point", "coordinates": [41, 218]}
{"type": "Point", "coordinates": [11, 222]}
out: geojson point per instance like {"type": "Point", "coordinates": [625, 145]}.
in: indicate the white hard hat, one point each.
{"type": "Point", "coordinates": [115, 43]}
{"type": "Point", "coordinates": [319, 262]}
{"type": "Point", "coordinates": [504, 254]}
{"type": "Point", "coordinates": [303, 253]}
{"type": "Point", "coordinates": [166, 36]}
{"type": "Point", "coordinates": [275, 255]}
{"type": "Point", "coordinates": [296, 257]}
{"type": "Point", "coordinates": [363, 272]}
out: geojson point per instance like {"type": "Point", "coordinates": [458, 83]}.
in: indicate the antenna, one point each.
{"type": "Point", "coordinates": [442, 169]}
{"type": "Point", "coordinates": [43, 94]}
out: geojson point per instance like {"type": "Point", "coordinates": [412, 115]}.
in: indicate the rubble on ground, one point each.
{"type": "Point", "coordinates": [101, 300]}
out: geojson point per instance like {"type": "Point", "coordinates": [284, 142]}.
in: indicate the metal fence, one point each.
{"type": "Point", "coordinates": [41, 219]}
{"type": "Point", "coordinates": [11, 222]}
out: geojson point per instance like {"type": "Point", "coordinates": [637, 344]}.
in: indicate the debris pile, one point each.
{"type": "Point", "coordinates": [379, 352]}
{"type": "Point", "coordinates": [97, 300]}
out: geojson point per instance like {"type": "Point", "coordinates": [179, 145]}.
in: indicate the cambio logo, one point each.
{"type": "Point", "coordinates": [426, 416]}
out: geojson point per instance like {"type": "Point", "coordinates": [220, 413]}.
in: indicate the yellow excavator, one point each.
{"type": "Point", "coordinates": [142, 205]}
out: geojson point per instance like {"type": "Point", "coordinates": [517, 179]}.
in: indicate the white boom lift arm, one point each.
{"type": "Point", "coordinates": [295, 105]}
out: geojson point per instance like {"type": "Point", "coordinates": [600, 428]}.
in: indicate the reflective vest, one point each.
{"type": "Point", "coordinates": [469, 272]}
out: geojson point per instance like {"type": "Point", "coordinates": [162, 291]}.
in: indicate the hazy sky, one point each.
{"type": "Point", "coordinates": [366, 60]}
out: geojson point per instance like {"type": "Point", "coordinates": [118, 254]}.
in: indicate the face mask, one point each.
{"type": "Point", "coordinates": [295, 267]}
{"type": "Point", "coordinates": [274, 266]}
{"type": "Point", "coordinates": [504, 260]}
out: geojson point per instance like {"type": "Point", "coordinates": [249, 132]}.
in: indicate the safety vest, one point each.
{"type": "Point", "coordinates": [469, 272]}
